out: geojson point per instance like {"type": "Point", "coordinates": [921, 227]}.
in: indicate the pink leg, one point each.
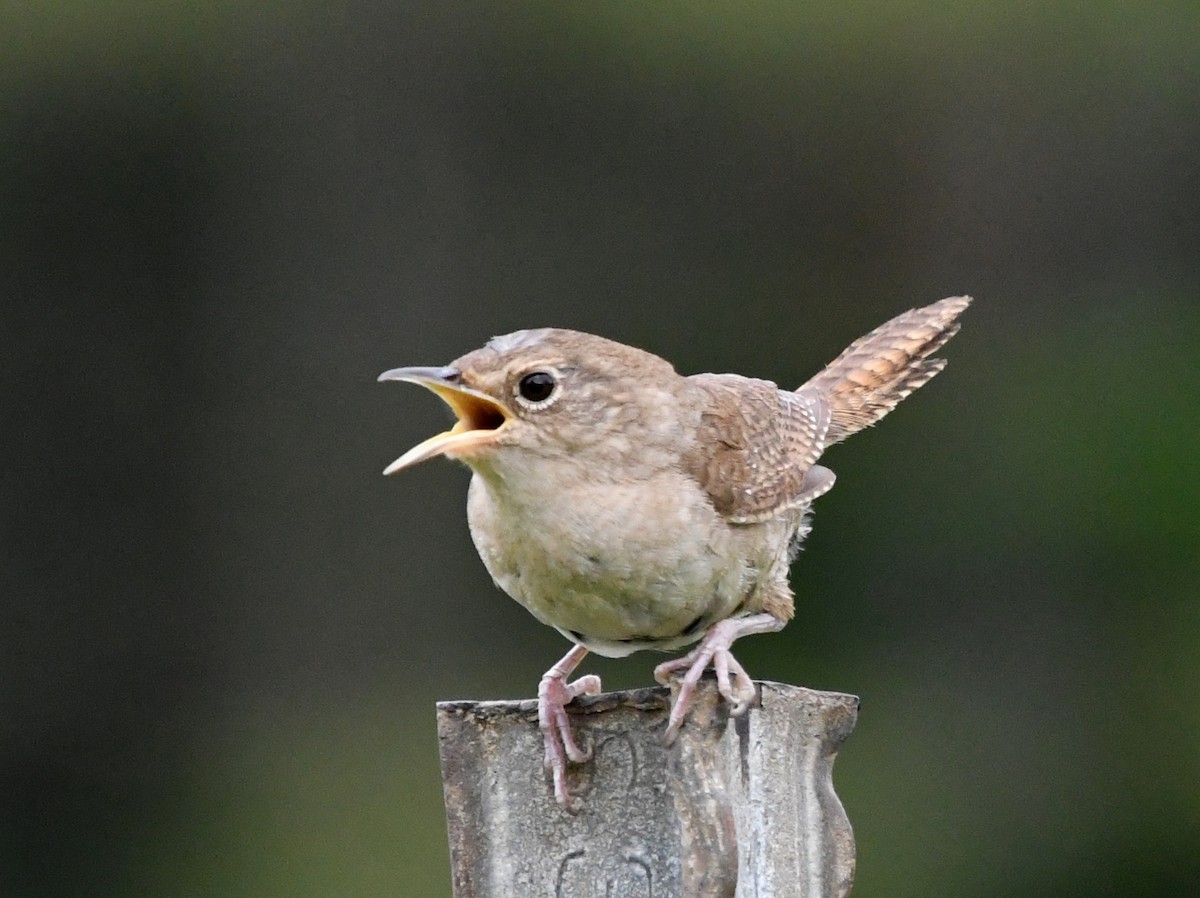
{"type": "Point", "coordinates": [733, 682]}
{"type": "Point", "coordinates": [554, 694]}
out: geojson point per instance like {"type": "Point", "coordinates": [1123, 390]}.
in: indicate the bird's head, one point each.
{"type": "Point", "coordinates": [546, 392]}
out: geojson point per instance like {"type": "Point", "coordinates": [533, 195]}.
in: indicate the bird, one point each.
{"type": "Point", "coordinates": [631, 507]}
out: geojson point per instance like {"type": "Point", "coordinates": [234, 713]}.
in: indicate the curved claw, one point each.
{"type": "Point", "coordinates": [741, 692]}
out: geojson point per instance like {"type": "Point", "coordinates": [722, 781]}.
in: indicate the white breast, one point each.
{"type": "Point", "coordinates": [615, 567]}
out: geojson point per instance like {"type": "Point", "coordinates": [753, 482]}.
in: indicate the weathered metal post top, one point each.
{"type": "Point", "coordinates": [738, 807]}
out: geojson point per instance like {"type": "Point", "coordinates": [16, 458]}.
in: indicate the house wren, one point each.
{"type": "Point", "coordinates": [631, 508]}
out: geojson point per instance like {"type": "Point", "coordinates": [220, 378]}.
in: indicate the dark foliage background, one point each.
{"type": "Point", "coordinates": [223, 632]}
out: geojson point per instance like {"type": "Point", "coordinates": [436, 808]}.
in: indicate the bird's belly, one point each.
{"type": "Point", "coordinates": [609, 572]}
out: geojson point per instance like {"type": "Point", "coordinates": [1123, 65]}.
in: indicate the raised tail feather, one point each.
{"type": "Point", "coordinates": [875, 372]}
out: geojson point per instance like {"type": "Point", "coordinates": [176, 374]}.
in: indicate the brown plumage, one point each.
{"type": "Point", "coordinates": [756, 447]}
{"type": "Point", "coordinates": [875, 372]}
{"type": "Point", "coordinates": [632, 508]}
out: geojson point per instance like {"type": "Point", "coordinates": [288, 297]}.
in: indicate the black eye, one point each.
{"type": "Point", "coordinates": [537, 386]}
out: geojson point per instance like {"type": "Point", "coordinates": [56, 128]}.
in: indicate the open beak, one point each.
{"type": "Point", "coordinates": [480, 417]}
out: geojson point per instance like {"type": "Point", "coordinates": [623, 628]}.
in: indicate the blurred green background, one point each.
{"type": "Point", "coordinates": [223, 632]}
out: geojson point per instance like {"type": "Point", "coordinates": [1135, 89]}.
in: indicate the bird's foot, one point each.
{"type": "Point", "coordinates": [733, 682]}
{"type": "Point", "coordinates": [554, 694]}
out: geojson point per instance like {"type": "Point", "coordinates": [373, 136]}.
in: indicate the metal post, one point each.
{"type": "Point", "coordinates": [738, 807]}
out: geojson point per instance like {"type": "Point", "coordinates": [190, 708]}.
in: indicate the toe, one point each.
{"type": "Point", "coordinates": [570, 746]}
{"type": "Point", "coordinates": [589, 685]}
